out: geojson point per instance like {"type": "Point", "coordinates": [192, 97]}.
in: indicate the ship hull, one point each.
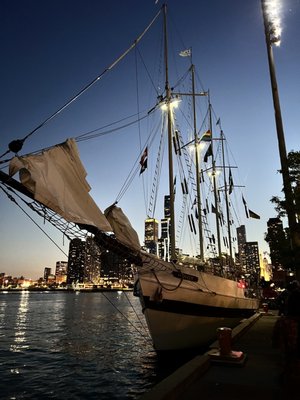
{"type": "Point", "coordinates": [184, 308]}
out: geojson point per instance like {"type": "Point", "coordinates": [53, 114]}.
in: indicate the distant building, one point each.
{"type": "Point", "coordinates": [47, 272]}
{"type": "Point", "coordinates": [164, 241]}
{"type": "Point", "coordinates": [115, 268]}
{"type": "Point", "coordinates": [167, 213]}
{"type": "Point", "coordinates": [277, 243]}
{"type": "Point", "coordinates": [241, 239]}
{"type": "Point", "coordinates": [51, 279]}
{"type": "Point", "coordinates": [76, 259]}
{"type": "Point", "coordinates": [276, 235]}
{"type": "Point", "coordinates": [265, 269]}
{"type": "Point", "coordinates": [252, 262]}
{"type": "Point", "coordinates": [151, 235]}
{"type": "Point", "coordinates": [92, 262]}
{"type": "Point", "coordinates": [61, 270]}
{"type": "Point", "coordinates": [84, 262]}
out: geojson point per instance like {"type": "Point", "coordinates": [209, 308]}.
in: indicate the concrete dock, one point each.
{"type": "Point", "coordinates": [258, 375]}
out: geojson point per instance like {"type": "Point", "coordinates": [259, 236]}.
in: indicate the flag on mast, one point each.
{"type": "Point", "coordinates": [245, 205]}
{"type": "Point", "coordinates": [144, 160]}
{"type": "Point", "coordinates": [206, 136]}
{"type": "Point", "coordinates": [253, 214]}
{"type": "Point", "coordinates": [230, 181]}
{"type": "Point", "coordinates": [249, 213]}
{"type": "Point", "coordinates": [208, 153]}
{"type": "Point", "coordinates": [186, 53]}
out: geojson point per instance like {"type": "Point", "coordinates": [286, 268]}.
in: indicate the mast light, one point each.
{"type": "Point", "coordinates": [272, 12]}
{"type": "Point", "coordinates": [174, 103]}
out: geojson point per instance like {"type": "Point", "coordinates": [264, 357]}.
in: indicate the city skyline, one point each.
{"type": "Point", "coordinates": [47, 58]}
{"type": "Point", "coordinates": [81, 246]}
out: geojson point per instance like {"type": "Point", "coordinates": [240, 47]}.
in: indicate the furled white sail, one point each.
{"type": "Point", "coordinates": [56, 177]}
{"type": "Point", "coordinates": [122, 227]}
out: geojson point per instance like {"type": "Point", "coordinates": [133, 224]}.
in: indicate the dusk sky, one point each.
{"type": "Point", "coordinates": [51, 49]}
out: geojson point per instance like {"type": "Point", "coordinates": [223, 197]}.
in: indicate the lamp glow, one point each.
{"type": "Point", "coordinates": [174, 103]}
{"type": "Point", "coordinates": [273, 8]}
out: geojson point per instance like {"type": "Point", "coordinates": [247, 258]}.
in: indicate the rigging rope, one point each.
{"type": "Point", "coordinates": [127, 319]}
{"type": "Point", "coordinates": [156, 179]}
{"type": "Point", "coordinates": [134, 310]}
{"type": "Point", "coordinates": [88, 135]}
{"type": "Point", "coordinates": [45, 233]}
{"type": "Point", "coordinates": [135, 167]}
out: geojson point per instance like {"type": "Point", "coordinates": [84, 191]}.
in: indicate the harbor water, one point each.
{"type": "Point", "coordinates": [71, 345]}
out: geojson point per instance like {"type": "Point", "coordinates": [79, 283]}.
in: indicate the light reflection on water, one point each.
{"type": "Point", "coordinates": [19, 343]}
{"type": "Point", "coordinates": [65, 345]}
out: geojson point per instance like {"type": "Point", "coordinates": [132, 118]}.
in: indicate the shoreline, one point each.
{"type": "Point", "coordinates": [84, 290]}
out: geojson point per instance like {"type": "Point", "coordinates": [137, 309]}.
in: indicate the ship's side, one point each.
{"type": "Point", "coordinates": [184, 307]}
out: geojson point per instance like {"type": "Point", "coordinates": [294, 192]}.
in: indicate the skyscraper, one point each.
{"type": "Point", "coordinates": [276, 237]}
{"type": "Point", "coordinates": [164, 241]}
{"type": "Point", "coordinates": [167, 213]}
{"type": "Point", "coordinates": [92, 262]}
{"type": "Point", "coordinates": [84, 261]}
{"type": "Point", "coordinates": [151, 235]}
{"type": "Point", "coordinates": [61, 270]}
{"type": "Point", "coordinates": [252, 261]}
{"type": "Point", "coordinates": [76, 261]}
{"type": "Point", "coordinates": [241, 238]}
{"type": "Point", "coordinates": [114, 267]}
{"type": "Point", "coordinates": [47, 272]}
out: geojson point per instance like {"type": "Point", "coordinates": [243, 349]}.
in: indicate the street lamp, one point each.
{"type": "Point", "coordinates": [270, 11]}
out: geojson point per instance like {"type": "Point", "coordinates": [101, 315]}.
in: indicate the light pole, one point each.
{"type": "Point", "coordinates": [272, 35]}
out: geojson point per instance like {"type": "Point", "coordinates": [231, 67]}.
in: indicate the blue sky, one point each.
{"type": "Point", "coordinates": [51, 49]}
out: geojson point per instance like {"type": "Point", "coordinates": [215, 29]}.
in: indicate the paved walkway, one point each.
{"type": "Point", "coordinates": [259, 377]}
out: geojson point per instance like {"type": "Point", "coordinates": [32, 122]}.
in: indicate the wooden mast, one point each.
{"type": "Point", "coordinates": [215, 188]}
{"type": "Point", "coordinates": [226, 200]}
{"type": "Point", "coordinates": [199, 203]}
{"type": "Point", "coordinates": [170, 141]}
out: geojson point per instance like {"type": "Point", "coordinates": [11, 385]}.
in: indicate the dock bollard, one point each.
{"type": "Point", "coordinates": [265, 307]}
{"type": "Point", "coordinates": [224, 355]}
{"type": "Point", "coordinates": [224, 337]}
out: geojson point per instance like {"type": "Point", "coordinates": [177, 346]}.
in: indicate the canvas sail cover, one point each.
{"type": "Point", "coordinates": [122, 227]}
{"type": "Point", "coordinates": [56, 177]}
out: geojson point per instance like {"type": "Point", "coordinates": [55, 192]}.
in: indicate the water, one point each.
{"type": "Point", "coordinates": [66, 345]}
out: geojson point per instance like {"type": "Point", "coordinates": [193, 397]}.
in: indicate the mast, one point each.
{"type": "Point", "coordinates": [199, 203]}
{"type": "Point", "coordinates": [170, 142]}
{"type": "Point", "coordinates": [226, 199]}
{"type": "Point", "coordinates": [215, 187]}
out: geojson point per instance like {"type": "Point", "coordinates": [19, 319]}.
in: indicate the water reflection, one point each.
{"type": "Point", "coordinates": [93, 343]}
{"type": "Point", "coordinates": [20, 327]}
{"type": "Point", "coordinates": [3, 305]}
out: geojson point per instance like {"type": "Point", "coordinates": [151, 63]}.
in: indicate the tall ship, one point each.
{"type": "Point", "coordinates": [185, 295]}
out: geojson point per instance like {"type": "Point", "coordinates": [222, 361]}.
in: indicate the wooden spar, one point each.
{"type": "Point", "coordinates": [226, 200]}
{"type": "Point", "coordinates": [170, 142]}
{"type": "Point", "coordinates": [199, 203]}
{"type": "Point", "coordinates": [215, 190]}
{"type": "Point", "coordinates": [8, 180]}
